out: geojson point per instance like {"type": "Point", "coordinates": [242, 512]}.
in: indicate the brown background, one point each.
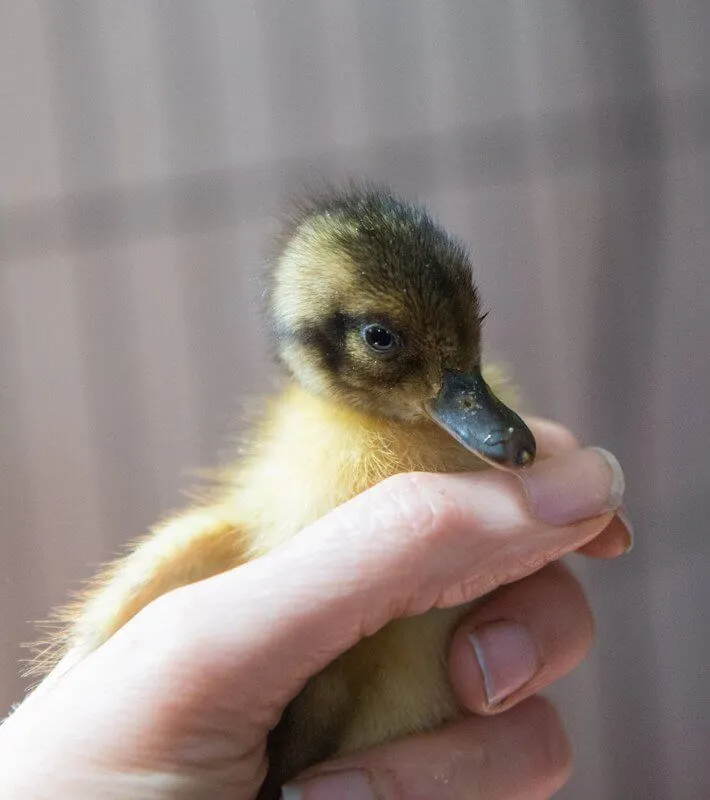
{"type": "Point", "coordinates": [145, 148]}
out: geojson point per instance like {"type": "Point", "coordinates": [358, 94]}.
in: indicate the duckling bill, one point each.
{"type": "Point", "coordinates": [467, 408]}
{"type": "Point", "coordinates": [376, 321]}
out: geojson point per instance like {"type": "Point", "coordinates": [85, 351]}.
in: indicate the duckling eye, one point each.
{"type": "Point", "coordinates": [379, 338]}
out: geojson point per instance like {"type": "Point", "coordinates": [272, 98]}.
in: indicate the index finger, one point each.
{"type": "Point", "coordinates": [553, 439]}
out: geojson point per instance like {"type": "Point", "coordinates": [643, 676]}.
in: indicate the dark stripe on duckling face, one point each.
{"type": "Point", "coordinates": [337, 343]}
{"type": "Point", "coordinates": [326, 337]}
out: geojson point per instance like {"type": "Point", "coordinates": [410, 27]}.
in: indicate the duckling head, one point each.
{"type": "Point", "coordinates": [373, 304]}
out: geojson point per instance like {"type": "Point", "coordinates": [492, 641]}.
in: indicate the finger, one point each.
{"type": "Point", "coordinates": [615, 540]}
{"type": "Point", "coordinates": [521, 640]}
{"type": "Point", "coordinates": [523, 754]}
{"type": "Point", "coordinates": [409, 544]}
{"type": "Point", "coordinates": [551, 437]}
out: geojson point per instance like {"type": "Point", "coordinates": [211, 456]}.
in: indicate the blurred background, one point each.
{"type": "Point", "coordinates": [146, 150]}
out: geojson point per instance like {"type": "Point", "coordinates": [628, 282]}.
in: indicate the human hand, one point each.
{"type": "Point", "coordinates": [179, 702]}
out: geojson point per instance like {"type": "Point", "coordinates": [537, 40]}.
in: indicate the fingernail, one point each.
{"type": "Point", "coordinates": [623, 516]}
{"type": "Point", "coordinates": [574, 486]}
{"type": "Point", "coordinates": [507, 656]}
{"type": "Point", "coordinates": [343, 785]}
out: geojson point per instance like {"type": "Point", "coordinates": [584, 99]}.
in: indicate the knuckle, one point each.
{"type": "Point", "coordinates": [169, 645]}
{"type": "Point", "coordinates": [166, 625]}
{"type": "Point", "coordinates": [423, 503]}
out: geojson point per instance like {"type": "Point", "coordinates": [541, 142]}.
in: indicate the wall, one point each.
{"type": "Point", "coordinates": [146, 149]}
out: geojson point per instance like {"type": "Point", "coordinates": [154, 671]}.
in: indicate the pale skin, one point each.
{"type": "Point", "coordinates": [178, 704]}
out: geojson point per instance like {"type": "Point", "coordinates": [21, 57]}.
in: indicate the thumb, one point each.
{"type": "Point", "coordinates": [409, 544]}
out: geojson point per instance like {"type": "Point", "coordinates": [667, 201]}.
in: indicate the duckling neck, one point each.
{"type": "Point", "coordinates": [312, 454]}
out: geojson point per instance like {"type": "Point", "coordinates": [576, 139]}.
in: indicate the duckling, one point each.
{"type": "Point", "coordinates": [377, 320]}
